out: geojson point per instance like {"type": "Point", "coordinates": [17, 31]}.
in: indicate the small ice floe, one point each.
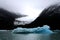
{"type": "Point", "coordinates": [42, 30]}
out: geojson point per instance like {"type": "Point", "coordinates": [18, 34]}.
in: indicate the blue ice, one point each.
{"type": "Point", "coordinates": [42, 30]}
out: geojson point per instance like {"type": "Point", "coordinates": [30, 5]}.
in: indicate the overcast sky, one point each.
{"type": "Point", "coordinates": [40, 4]}
{"type": "Point", "coordinates": [32, 8]}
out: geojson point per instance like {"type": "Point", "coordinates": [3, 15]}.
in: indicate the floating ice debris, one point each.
{"type": "Point", "coordinates": [43, 30]}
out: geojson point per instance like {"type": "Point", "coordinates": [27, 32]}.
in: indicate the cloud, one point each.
{"type": "Point", "coordinates": [32, 8]}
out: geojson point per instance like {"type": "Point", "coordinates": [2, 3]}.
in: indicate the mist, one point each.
{"type": "Point", "coordinates": [31, 8]}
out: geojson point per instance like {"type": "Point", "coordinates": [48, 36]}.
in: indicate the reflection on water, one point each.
{"type": "Point", "coordinates": [30, 37]}
{"type": "Point", "coordinates": [7, 35]}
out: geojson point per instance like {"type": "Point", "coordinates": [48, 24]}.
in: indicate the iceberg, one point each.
{"type": "Point", "coordinates": [42, 30]}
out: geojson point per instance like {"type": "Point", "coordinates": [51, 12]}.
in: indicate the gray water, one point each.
{"type": "Point", "coordinates": [7, 35]}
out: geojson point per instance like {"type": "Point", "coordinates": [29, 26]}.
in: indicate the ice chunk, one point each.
{"type": "Point", "coordinates": [43, 30]}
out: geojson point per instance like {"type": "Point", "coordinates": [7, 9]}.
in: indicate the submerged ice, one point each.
{"type": "Point", "coordinates": [44, 30]}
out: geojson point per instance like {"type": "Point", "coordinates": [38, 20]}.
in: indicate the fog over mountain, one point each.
{"type": "Point", "coordinates": [31, 8]}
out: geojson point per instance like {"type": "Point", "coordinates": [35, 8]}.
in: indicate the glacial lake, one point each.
{"type": "Point", "coordinates": [8, 35]}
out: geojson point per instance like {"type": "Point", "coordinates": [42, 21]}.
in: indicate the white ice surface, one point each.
{"type": "Point", "coordinates": [43, 30]}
